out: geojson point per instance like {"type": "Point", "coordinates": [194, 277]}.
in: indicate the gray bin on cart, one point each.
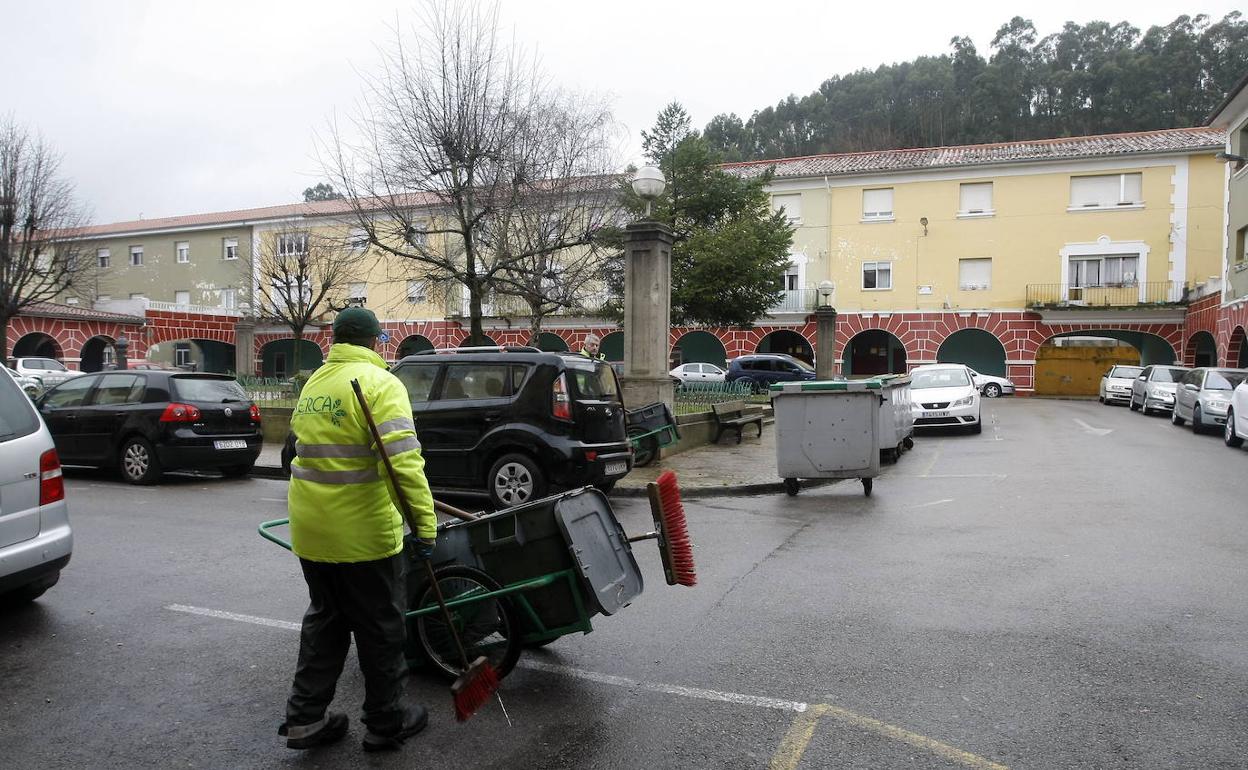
{"type": "Point", "coordinates": [896, 426]}
{"type": "Point", "coordinates": [827, 429]}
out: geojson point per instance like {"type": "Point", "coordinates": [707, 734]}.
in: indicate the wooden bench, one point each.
{"type": "Point", "coordinates": [731, 415]}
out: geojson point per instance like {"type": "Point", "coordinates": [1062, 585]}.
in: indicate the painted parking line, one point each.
{"type": "Point", "coordinates": [792, 746]}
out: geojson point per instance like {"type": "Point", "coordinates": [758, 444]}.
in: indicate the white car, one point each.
{"type": "Point", "coordinates": [1236, 429]}
{"type": "Point", "coordinates": [48, 371]}
{"type": "Point", "coordinates": [1116, 384]}
{"type": "Point", "coordinates": [991, 385]}
{"type": "Point", "coordinates": [945, 395]}
{"type": "Point", "coordinates": [690, 373]}
{"type": "Point", "coordinates": [30, 385]}
{"type": "Point", "coordinates": [1155, 388]}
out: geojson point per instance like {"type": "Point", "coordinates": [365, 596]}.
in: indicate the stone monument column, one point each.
{"type": "Point", "coordinates": [825, 342]}
{"type": "Point", "coordinates": [647, 314]}
{"type": "Point", "coordinates": [244, 344]}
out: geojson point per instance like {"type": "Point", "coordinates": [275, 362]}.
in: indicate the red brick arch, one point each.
{"type": "Point", "coordinates": [71, 335]}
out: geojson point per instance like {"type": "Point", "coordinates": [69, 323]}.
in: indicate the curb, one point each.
{"type": "Point", "coordinates": [690, 493]}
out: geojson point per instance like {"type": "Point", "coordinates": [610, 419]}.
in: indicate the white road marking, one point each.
{"type": "Point", "coordinates": [223, 615]}
{"type": "Point", "coordinates": [934, 502]}
{"type": "Point", "coordinates": [273, 499]}
{"type": "Point", "coordinates": [1094, 431]}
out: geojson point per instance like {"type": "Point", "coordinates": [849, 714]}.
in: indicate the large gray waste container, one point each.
{"type": "Point", "coordinates": [896, 426]}
{"type": "Point", "coordinates": [828, 429]}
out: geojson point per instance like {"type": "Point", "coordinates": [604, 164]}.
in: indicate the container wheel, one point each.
{"type": "Point", "coordinates": [488, 627]}
{"type": "Point", "coordinates": [791, 486]}
{"type": "Point", "coordinates": [866, 486]}
{"type": "Point", "coordinates": [908, 441]}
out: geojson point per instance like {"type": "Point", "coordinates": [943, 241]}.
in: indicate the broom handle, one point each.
{"type": "Point", "coordinates": [407, 513]}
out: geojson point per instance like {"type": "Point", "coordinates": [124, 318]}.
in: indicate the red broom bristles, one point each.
{"type": "Point", "coordinates": [473, 688]}
{"type": "Point", "coordinates": [676, 530]}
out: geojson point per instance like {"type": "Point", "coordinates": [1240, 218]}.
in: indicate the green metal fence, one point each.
{"type": "Point", "coordinates": [692, 398]}
{"type": "Point", "coordinates": [269, 391]}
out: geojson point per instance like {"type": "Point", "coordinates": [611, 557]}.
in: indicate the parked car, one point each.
{"type": "Point", "coordinates": [1116, 384]}
{"type": "Point", "coordinates": [760, 370]}
{"type": "Point", "coordinates": [1236, 429]}
{"type": "Point", "coordinates": [1204, 396]}
{"type": "Point", "coordinates": [31, 386]}
{"type": "Point", "coordinates": [698, 372]}
{"type": "Point", "coordinates": [35, 537]}
{"type": "Point", "coordinates": [48, 371]}
{"type": "Point", "coordinates": [990, 385]}
{"type": "Point", "coordinates": [945, 395]}
{"type": "Point", "coordinates": [514, 423]}
{"type": "Point", "coordinates": [147, 422]}
{"type": "Point", "coordinates": [1155, 387]}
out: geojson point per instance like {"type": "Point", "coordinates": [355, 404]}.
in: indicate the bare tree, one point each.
{"type": "Point", "coordinates": [41, 253]}
{"type": "Point", "coordinates": [463, 135]}
{"type": "Point", "coordinates": [301, 275]}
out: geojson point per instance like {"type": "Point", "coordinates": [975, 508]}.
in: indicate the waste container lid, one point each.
{"type": "Point", "coordinates": [808, 386]}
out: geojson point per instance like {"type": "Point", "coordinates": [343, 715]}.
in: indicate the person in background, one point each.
{"type": "Point", "coordinates": [589, 348]}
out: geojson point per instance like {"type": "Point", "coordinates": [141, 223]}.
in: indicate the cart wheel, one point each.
{"type": "Point", "coordinates": [647, 449]}
{"type": "Point", "coordinates": [908, 441]}
{"type": "Point", "coordinates": [487, 627]}
{"type": "Point", "coordinates": [792, 486]}
{"type": "Point", "coordinates": [866, 487]}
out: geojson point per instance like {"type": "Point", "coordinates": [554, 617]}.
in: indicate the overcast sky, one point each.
{"type": "Point", "coordinates": [165, 108]}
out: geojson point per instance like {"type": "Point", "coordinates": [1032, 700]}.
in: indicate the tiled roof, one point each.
{"type": "Point", "coordinates": [77, 313]}
{"type": "Point", "coordinates": [1070, 148]}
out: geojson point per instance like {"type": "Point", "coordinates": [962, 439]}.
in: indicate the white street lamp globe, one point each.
{"type": "Point", "coordinates": [649, 182]}
{"type": "Point", "coordinates": [826, 288]}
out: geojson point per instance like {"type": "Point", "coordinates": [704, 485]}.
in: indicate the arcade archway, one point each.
{"type": "Point", "coordinates": [37, 345]}
{"type": "Point", "coordinates": [874, 351]}
{"type": "Point", "coordinates": [699, 347]}
{"type": "Point", "coordinates": [788, 342]}
{"type": "Point", "coordinates": [976, 348]}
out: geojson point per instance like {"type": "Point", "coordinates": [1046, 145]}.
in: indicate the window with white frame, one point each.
{"type": "Point", "coordinates": [357, 290]}
{"type": "Point", "coordinates": [1105, 191]}
{"type": "Point", "coordinates": [138, 295]}
{"type": "Point", "coordinates": [1241, 246]}
{"type": "Point", "coordinates": [229, 298]}
{"type": "Point", "coordinates": [104, 298]}
{"type": "Point", "coordinates": [415, 291]}
{"type": "Point", "coordinates": [877, 275]}
{"type": "Point", "coordinates": [229, 248]}
{"type": "Point", "coordinates": [1110, 270]}
{"type": "Point", "coordinates": [975, 274]}
{"type": "Point", "coordinates": [877, 204]}
{"type": "Point", "coordinates": [136, 256]}
{"type": "Point", "coordinates": [975, 199]}
{"type": "Point", "coordinates": [181, 354]}
{"type": "Point", "coordinates": [181, 298]}
{"type": "Point", "coordinates": [358, 239]}
{"type": "Point", "coordinates": [104, 258]}
{"type": "Point", "coordinates": [790, 204]}
{"type": "Point", "coordinates": [292, 244]}
{"type": "Point", "coordinates": [183, 251]}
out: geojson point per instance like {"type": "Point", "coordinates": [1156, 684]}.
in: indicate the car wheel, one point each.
{"type": "Point", "coordinates": [237, 471]}
{"type": "Point", "coordinates": [1198, 425]}
{"type": "Point", "coordinates": [1101, 399]}
{"type": "Point", "coordinates": [1232, 439]}
{"type": "Point", "coordinates": [1175, 419]}
{"type": "Point", "coordinates": [978, 427]}
{"type": "Point", "coordinates": [138, 461]}
{"type": "Point", "coordinates": [515, 479]}
{"type": "Point", "coordinates": [992, 390]}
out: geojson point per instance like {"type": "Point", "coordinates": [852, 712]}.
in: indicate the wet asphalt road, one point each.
{"type": "Point", "coordinates": [1045, 595]}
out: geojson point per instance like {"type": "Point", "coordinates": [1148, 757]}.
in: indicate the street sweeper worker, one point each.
{"type": "Point", "coordinates": [589, 348]}
{"type": "Point", "coordinates": [348, 534]}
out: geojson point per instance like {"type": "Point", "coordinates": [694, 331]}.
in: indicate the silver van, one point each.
{"type": "Point", "coordinates": [35, 538]}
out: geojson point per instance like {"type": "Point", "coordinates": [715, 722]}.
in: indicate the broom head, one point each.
{"type": "Point", "coordinates": [473, 688]}
{"type": "Point", "coordinates": [674, 542]}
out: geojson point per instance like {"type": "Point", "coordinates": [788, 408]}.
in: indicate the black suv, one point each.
{"type": "Point", "coordinates": [762, 369]}
{"type": "Point", "coordinates": [514, 421]}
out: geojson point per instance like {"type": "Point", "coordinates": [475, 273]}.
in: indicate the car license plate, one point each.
{"type": "Point", "coordinates": [935, 414]}
{"type": "Point", "coordinates": [230, 444]}
{"type": "Point", "coordinates": [616, 468]}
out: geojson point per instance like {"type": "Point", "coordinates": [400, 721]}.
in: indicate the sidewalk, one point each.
{"type": "Point", "coordinates": [710, 470]}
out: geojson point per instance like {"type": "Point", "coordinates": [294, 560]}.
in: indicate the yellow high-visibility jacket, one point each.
{"type": "Point", "coordinates": [342, 508]}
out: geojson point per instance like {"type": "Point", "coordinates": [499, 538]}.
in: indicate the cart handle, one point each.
{"type": "Point", "coordinates": [267, 535]}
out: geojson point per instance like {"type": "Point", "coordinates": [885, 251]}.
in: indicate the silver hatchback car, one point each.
{"type": "Point", "coordinates": [1204, 396]}
{"type": "Point", "coordinates": [35, 538]}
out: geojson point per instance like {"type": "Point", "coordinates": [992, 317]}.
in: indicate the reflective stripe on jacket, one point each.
{"type": "Point", "coordinates": [341, 506]}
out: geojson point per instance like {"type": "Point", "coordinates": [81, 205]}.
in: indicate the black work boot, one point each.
{"type": "Point", "coordinates": [413, 722]}
{"type": "Point", "coordinates": [329, 730]}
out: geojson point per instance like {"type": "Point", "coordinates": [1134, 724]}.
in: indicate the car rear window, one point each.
{"type": "Point", "coordinates": [209, 389]}
{"type": "Point", "coordinates": [17, 415]}
{"type": "Point", "coordinates": [598, 383]}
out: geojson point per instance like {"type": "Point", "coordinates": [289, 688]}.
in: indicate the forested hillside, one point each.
{"type": "Point", "coordinates": [1089, 79]}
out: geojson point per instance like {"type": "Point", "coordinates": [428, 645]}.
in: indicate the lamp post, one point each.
{"type": "Point", "coordinates": [825, 332]}
{"type": "Point", "coordinates": [647, 300]}
{"type": "Point", "coordinates": [121, 346]}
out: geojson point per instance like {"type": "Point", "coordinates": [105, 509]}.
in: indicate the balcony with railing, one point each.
{"type": "Point", "coordinates": [1128, 294]}
{"type": "Point", "coordinates": [795, 301]}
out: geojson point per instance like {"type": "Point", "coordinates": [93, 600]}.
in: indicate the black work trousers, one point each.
{"type": "Point", "coordinates": [367, 599]}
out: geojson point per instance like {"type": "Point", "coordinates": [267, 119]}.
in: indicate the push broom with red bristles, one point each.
{"type": "Point", "coordinates": [670, 530]}
{"type": "Point", "coordinates": [479, 680]}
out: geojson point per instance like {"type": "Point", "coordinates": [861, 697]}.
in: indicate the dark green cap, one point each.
{"type": "Point", "coordinates": [356, 323]}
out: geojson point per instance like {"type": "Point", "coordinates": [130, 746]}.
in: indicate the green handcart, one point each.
{"type": "Point", "coordinates": [523, 577]}
{"type": "Point", "coordinates": [650, 428]}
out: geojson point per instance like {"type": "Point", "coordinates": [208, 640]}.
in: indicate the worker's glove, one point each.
{"type": "Point", "coordinates": [423, 548]}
